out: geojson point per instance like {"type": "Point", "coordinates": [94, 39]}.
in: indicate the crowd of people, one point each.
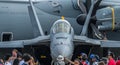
{"type": "Point", "coordinates": [95, 60]}
{"type": "Point", "coordinates": [16, 58]}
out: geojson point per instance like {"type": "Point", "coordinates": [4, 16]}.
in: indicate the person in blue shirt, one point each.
{"type": "Point", "coordinates": [94, 59]}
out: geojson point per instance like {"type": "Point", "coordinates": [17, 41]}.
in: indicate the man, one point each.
{"type": "Point", "coordinates": [14, 55]}
{"type": "Point", "coordinates": [94, 59]}
{"type": "Point", "coordinates": [111, 61]}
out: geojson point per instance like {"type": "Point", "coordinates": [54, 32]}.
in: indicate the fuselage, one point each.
{"type": "Point", "coordinates": [61, 36]}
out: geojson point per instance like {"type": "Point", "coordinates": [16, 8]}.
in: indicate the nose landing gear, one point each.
{"type": "Point", "coordinates": [59, 61]}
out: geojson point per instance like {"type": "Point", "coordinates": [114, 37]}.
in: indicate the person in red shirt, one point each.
{"type": "Point", "coordinates": [118, 61]}
{"type": "Point", "coordinates": [111, 60]}
{"type": "Point", "coordinates": [84, 59]}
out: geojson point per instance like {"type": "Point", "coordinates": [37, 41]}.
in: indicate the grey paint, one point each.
{"type": "Point", "coordinates": [15, 18]}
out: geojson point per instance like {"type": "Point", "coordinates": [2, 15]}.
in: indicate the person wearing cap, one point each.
{"type": "Point", "coordinates": [111, 60]}
{"type": "Point", "coordinates": [94, 58]}
{"type": "Point", "coordinates": [118, 61]}
{"type": "Point", "coordinates": [84, 59]}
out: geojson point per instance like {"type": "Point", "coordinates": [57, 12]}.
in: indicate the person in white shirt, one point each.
{"type": "Point", "coordinates": [7, 59]}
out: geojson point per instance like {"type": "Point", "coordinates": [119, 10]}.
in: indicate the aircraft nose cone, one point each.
{"type": "Point", "coordinates": [65, 51]}
{"type": "Point", "coordinates": [62, 50]}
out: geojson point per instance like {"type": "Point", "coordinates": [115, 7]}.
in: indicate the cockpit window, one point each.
{"type": "Point", "coordinates": [61, 27]}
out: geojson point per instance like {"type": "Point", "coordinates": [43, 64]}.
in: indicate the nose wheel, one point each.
{"type": "Point", "coordinates": [59, 61]}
